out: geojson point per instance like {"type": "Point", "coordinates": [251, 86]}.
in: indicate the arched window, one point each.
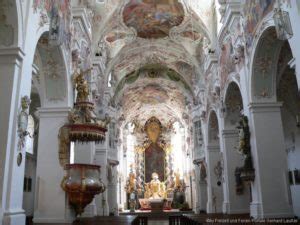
{"type": "Point", "coordinates": [177, 144]}
{"type": "Point", "coordinates": [109, 80]}
{"type": "Point", "coordinates": [198, 140]}
{"type": "Point", "coordinates": [130, 139]}
{"type": "Point", "coordinates": [112, 134]}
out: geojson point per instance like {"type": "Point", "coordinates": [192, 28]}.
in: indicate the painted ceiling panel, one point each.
{"type": "Point", "coordinates": [152, 18]}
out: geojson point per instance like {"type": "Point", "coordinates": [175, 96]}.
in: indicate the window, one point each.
{"type": "Point", "coordinates": [198, 140]}
{"type": "Point", "coordinates": [177, 145]}
{"type": "Point", "coordinates": [109, 80]}
{"type": "Point", "coordinates": [112, 134]}
{"type": "Point", "coordinates": [130, 146]}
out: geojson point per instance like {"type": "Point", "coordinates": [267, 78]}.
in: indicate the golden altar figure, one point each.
{"type": "Point", "coordinates": [155, 189]}
{"type": "Point", "coordinates": [155, 196]}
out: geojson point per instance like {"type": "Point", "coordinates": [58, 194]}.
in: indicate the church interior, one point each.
{"type": "Point", "coordinates": [149, 112]}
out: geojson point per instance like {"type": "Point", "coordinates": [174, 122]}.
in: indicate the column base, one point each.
{"type": "Point", "coordinates": [209, 207]}
{"type": "Point", "coordinates": [1, 214]}
{"type": "Point", "coordinates": [17, 217]}
{"type": "Point", "coordinates": [53, 220]}
{"type": "Point", "coordinates": [256, 211]}
{"type": "Point", "coordinates": [226, 207]}
{"type": "Point", "coordinates": [230, 209]}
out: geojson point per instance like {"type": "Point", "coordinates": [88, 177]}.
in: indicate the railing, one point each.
{"type": "Point", "coordinates": [140, 220]}
{"type": "Point", "coordinates": [182, 220]}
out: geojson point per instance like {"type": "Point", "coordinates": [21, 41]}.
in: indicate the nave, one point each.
{"type": "Point", "coordinates": [149, 110]}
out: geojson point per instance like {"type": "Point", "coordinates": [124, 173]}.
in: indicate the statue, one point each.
{"type": "Point", "coordinates": [155, 189]}
{"type": "Point", "coordinates": [177, 180]}
{"type": "Point", "coordinates": [244, 141]}
{"type": "Point", "coordinates": [131, 183]}
{"type": "Point", "coordinates": [81, 86]}
{"type": "Point", "coordinates": [245, 173]}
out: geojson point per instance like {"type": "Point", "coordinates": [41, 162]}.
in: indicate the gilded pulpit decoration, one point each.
{"type": "Point", "coordinates": [84, 125]}
{"type": "Point", "coordinates": [81, 181]}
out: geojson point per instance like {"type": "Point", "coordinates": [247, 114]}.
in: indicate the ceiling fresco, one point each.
{"type": "Point", "coordinates": [152, 18]}
{"type": "Point", "coordinates": [170, 36]}
{"type": "Point", "coordinates": [153, 91]}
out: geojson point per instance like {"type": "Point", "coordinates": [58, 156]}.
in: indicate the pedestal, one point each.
{"type": "Point", "coordinates": [233, 203]}
{"type": "Point", "coordinates": [51, 204]}
{"type": "Point", "coordinates": [101, 159]}
{"type": "Point", "coordinates": [270, 187]}
{"type": "Point", "coordinates": [157, 205]}
{"type": "Point", "coordinates": [112, 190]}
{"type": "Point", "coordinates": [214, 192]}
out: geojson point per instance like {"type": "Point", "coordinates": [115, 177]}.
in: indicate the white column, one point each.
{"type": "Point", "coordinates": [214, 192]}
{"type": "Point", "coordinates": [51, 204]}
{"type": "Point", "coordinates": [11, 175]}
{"type": "Point", "coordinates": [233, 203]}
{"type": "Point", "coordinates": [84, 153]}
{"type": "Point", "coordinates": [101, 159]}
{"type": "Point", "coordinates": [112, 195]}
{"type": "Point", "coordinates": [270, 188]}
{"type": "Point", "coordinates": [201, 191]}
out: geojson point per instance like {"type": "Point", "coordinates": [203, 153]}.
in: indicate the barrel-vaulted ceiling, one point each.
{"type": "Point", "coordinates": [154, 53]}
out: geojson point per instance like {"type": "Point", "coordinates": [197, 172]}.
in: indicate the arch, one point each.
{"type": "Point", "coordinates": [213, 128]}
{"type": "Point", "coordinates": [288, 94]}
{"type": "Point", "coordinates": [233, 101]}
{"type": "Point", "coordinates": [263, 62]}
{"type": "Point", "coordinates": [52, 71]}
{"type": "Point", "coordinates": [232, 78]}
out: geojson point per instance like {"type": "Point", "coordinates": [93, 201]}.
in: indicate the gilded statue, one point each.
{"type": "Point", "coordinates": [131, 184]}
{"type": "Point", "coordinates": [155, 189]}
{"type": "Point", "coordinates": [177, 180]}
{"type": "Point", "coordinates": [81, 86]}
{"type": "Point", "coordinates": [179, 184]}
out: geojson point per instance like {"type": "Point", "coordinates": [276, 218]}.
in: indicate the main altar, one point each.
{"type": "Point", "coordinates": [152, 184]}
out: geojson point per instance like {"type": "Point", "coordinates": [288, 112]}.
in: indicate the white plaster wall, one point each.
{"type": "Point", "coordinates": [51, 204]}
{"type": "Point", "coordinates": [291, 131]}
{"type": "Point", "coordinates": [294, 12]}
{"type": "Point", "coordinates": [28, 197]}
{"type": "Point", "coordinates": [101, 159]}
